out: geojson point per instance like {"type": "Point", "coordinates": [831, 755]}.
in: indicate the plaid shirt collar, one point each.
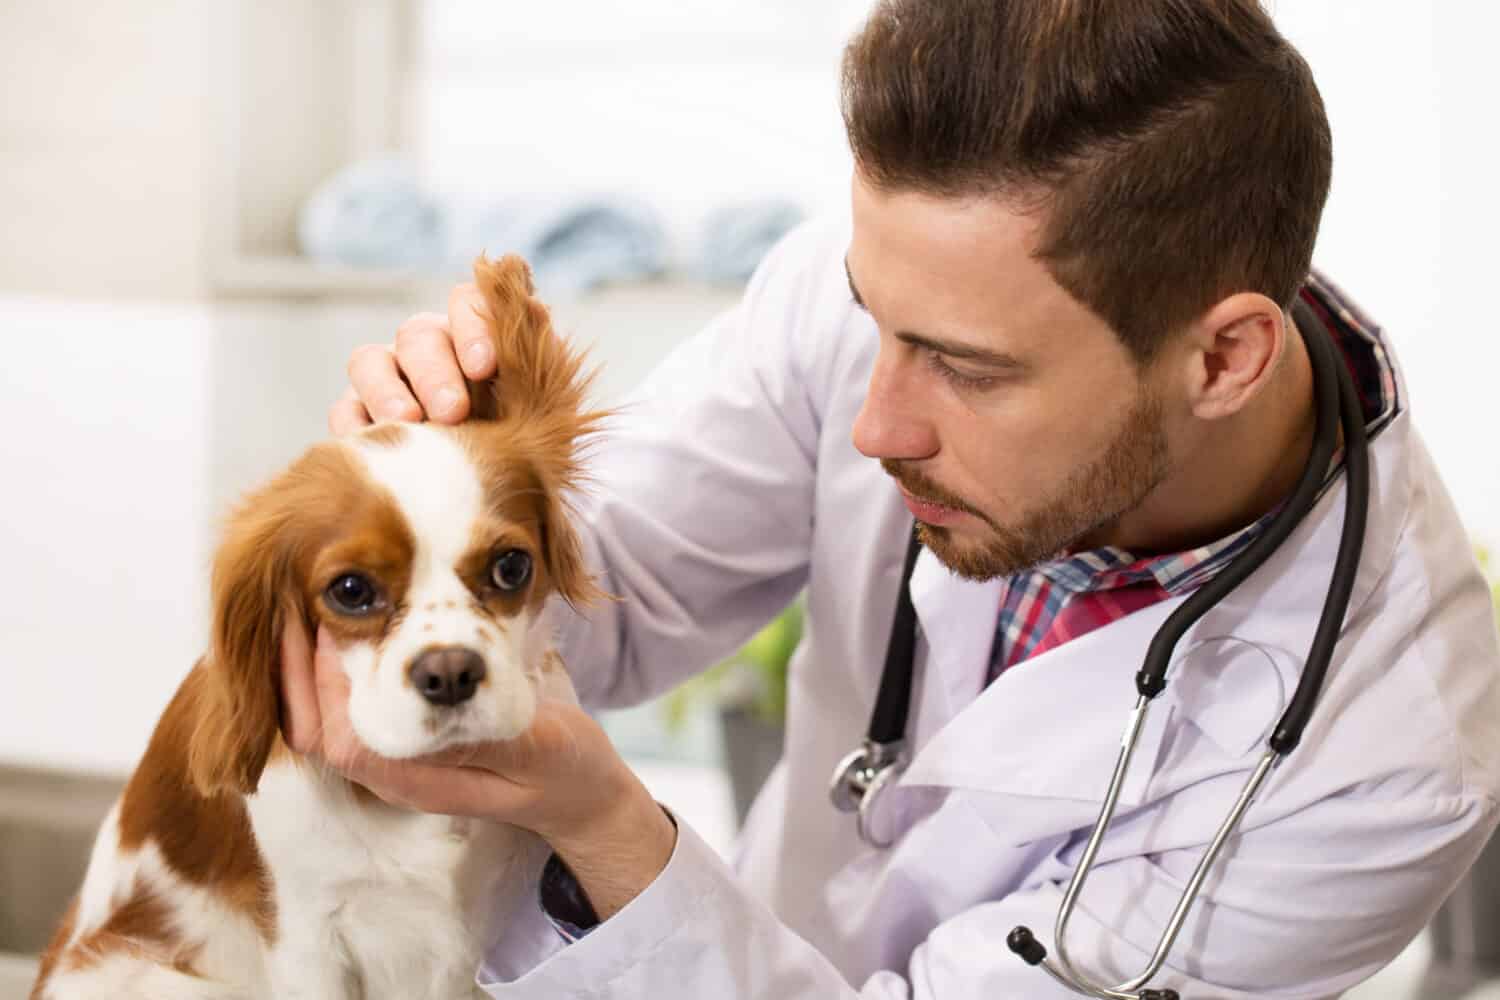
{"type": "Point", "coordinates": [1110, 566]}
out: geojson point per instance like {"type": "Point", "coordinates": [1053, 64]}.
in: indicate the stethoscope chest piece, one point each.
{"type": "Point", "coordinates": [864, 773]}
{"type": "Point", "coordinates": [859, 780]}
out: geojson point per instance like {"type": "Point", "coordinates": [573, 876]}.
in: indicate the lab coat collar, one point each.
{"type": "Point", "coordinates": [956, 619]}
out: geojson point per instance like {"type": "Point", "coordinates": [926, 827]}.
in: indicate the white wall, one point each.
{"type": "Point", "coordinates": [102, 524]}
{"type": "Point", "coordinates": [1410, 225]}
{"type": "Point", "coordinates": [102, 143]}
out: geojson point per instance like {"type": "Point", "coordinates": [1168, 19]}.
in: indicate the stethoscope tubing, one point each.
{"type": "Point", "coordinates": [1338, 407]}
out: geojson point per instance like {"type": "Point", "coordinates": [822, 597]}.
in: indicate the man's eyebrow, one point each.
{"type": "Point", "coordinates": [947, 348]}
{"type": "Point", "coordinates": [963, 352]}
{"type": "Point", "coordinates": [854, 292]}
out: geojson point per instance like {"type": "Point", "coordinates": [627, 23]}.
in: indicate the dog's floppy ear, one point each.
{"type": "Point", "coordinates": [255, 592]}
{"type": "Point", "coordinates": [562, 551]}
{"type": "Point", "coordinates": [539, 397]}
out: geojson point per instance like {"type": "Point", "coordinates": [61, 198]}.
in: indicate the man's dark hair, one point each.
{"type": "Point", "coordinates": [1178, 148]}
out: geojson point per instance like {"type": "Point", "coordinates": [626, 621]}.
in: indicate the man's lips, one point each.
{"type": "Point", "coordinates": [929, 511]}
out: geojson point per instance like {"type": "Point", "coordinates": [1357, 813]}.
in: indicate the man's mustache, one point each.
{"type": "Point", "coordinates": [920, 486]}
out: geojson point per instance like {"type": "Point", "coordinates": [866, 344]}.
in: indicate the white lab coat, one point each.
{"type": "Point", "coordinates": [732, 482]}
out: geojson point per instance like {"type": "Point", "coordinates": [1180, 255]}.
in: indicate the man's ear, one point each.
{"type": "Point", "coordinates": [1236, 347]}
{"type": "Point", "coordinates": [255, 592]}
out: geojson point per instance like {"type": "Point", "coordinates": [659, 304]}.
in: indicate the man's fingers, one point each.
{"type": "Point", "coordinates": [432, 788]}
{"type": "Point", "coordinates": [423, 374]}
{"type": "Point", "coordinates": [524, 760]}
{"type": "Point", "coordinates": [468, 321]}
{"type": "Point", "coordinates": [379, 385]}
{"type": "Point", "coordinates": [499, 758]}
{"type": "Point", "coordinates": [424, 353]}
{"type": "Point", "coordinates": [300, 722]}
{"type": "Point", "coordinates": [328, 675]}
{"type": "Point", "coordinates": [472, 791]}
{"type": "Point", "coordinates": [348, 414]}
{"type": "Point", "coordinates": [340, 745]}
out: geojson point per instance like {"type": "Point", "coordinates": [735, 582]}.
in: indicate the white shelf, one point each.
{"type": "Point", "coordinates": [290, 276]}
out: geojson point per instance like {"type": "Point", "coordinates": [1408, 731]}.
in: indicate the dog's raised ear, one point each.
{"type": "Point", "coordinates": [255, 592]}
{"type": "Point", "coordinates": [539, 395]}
{"type": "Point", "coordinates": [537, 372]}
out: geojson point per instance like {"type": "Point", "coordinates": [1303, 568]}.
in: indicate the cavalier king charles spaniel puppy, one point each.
{"type": "Point", "coordinates": [231, 867]}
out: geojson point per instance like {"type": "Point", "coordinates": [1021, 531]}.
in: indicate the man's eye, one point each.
{"type": "Point", "coordinates": [953, 375]}
{"type": "Point", "coordinates": [352, 594]}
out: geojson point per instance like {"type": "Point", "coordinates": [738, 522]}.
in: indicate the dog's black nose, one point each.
{"type": "Point", "coordinates": [447, 675]}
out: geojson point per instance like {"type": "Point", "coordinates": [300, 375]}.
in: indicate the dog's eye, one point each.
{"type": "Point", "coordinates": [352, 594]}
{"type": "Point", "coordinates": [511, 569]}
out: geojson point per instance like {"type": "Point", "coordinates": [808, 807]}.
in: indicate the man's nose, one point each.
{"type": "Point", "coordinates": [893, 422]}
{"type": "Point", "coordinates": [447, 675]}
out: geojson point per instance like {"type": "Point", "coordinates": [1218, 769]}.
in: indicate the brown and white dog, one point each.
{"type": "Point", "coordinates": [232, 868]}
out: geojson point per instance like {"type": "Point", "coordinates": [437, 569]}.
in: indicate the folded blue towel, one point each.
{"type": "Point", "coordinates": [572, 243]}
{"type": "Point", "coordinates": [377, 213]}
{"type": "Point", "coordinates": [372, 214]}
{"type": "Point", "coordinates": [735, 237]}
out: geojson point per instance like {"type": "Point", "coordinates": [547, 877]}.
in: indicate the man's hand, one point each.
{"type": "Point", "coordinates": [420, 376]}
{"type": "Point", "coordinates": [561, 778]}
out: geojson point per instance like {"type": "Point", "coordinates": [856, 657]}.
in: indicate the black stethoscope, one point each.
{"type": "Point", "coordinates": [861, 776]}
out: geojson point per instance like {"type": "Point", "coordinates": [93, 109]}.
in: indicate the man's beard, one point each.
{"type": "Point", "coordinates": [1114, 484]}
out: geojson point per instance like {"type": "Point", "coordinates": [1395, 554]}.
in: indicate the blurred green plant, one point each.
{"type": "Point", "coordinates": [1492, 573]}
{"type": "Point", "coordinates": [753, 679]}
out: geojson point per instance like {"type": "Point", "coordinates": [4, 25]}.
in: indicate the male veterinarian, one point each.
{"type": "Point", "coordinates": [1069, 328]}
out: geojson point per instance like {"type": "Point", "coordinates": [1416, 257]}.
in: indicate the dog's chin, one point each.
{"type": "Point", "coordinates": [432, 731]}
{"type": "Point", "coordinates": [456, 732]}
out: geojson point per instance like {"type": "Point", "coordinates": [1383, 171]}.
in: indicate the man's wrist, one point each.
{"type": "Point", "coordinates": [615, 859]}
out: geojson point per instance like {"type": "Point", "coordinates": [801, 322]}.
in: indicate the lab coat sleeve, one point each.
{"type": "Point", "coordinates": [1311, 915]}
{"type": "Point", "coordinates": [698, 512]}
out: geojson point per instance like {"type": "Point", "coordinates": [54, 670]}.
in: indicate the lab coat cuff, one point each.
{"type": "Point", "coordinates": [529, 959]}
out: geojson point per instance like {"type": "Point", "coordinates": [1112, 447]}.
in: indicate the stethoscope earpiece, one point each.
{"type": "Point", "coordinates": [1026, 946]}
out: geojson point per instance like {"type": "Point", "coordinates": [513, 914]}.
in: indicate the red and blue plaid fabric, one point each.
{"type": "Point", "coordinates": [1048, 604]}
